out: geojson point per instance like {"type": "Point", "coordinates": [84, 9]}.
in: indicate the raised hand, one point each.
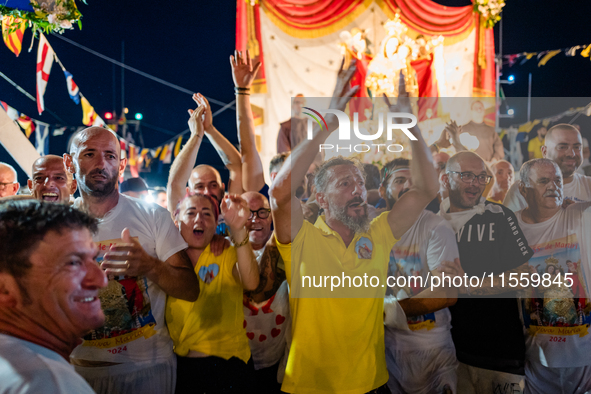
{"type": "Point", "coordinates": [243, 72]}
{"type": "Point", "coordinates": [235, 211]}
{"type": "Point", "coordinates": [343, 91]}
{"type": "Point", "coordinates": [403, 101]}
{"type": "Point", "coordinates": [196, 121]}
{"type": "Point", "coordinates": [207, 117]}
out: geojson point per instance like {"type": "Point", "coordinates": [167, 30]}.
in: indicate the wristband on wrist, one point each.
{"type": "Point", "coordinates": [237, 89]}
{"type": "Point", "coordinates": [242, 94]}
{"type": "Point", "coordinates": [244, 241]}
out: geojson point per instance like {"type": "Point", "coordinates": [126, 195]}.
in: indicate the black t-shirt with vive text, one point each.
{"type": "Point", "coordinates": [486, 330]}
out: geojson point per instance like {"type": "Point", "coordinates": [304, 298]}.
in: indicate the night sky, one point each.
{"type": "Point", "coordinates": [189, 45]}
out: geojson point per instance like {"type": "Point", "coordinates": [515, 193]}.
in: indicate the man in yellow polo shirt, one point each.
{"type": "Point", "coordinates": [534, 147]}
{"type": "Point", "coordinates": [337, 328]}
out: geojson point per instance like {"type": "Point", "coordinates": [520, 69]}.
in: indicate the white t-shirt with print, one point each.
{"type": "Point", "coordinates": [555, 315]}
{"type": "Point", "coordinates": [428, 243]}
{"type": "Point", "coordinates": [579, 190]}
{"type": "Point", "coordinates": [135, 328]}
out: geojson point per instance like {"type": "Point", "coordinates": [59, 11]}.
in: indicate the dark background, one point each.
{"type": "Point", "coordinates": [189, 43]}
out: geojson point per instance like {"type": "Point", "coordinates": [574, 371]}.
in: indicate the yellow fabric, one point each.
{"type": "Point", "coordinates": [493, 200]}
{"type": "Point", "coordinates": [214, 323]}
{"type": "Point", "coordinates": [534, 146]}
{"type": "Point", "coordinates": [337, 343]}
{"type": "Point", "coordinates": [88, 112]}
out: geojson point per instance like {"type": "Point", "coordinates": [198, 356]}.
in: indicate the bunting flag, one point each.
{"type": "Point", "coordinates": [544, 56]}
{"type": "Point", "coordinates": [45, 56]}
{"type": "Point", "coordinates": [58, 131]}
{"type": "Point", "coordinates": [13, 30]}
{"type": "Point", "coordinates": [88, 114]}
{"type": "Point", "coordinates": [166, 155]}
{"type": "Point", "coordinates": [26, 124]}
{"type": "Point", "coordinates": [11, 112]}
{"type": "Point", "coordinates": [41, 140]}
{"type": "Point", "coordinates": [548, 56]}
{"type": "Point", "coordinates": [73, 89]}
{"type": "Point", "coordinates": [177, 146]}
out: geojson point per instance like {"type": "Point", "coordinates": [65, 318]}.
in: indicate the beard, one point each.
{"type": "Point", "coordinates": [98, 189]}
{"type": "Point", "coordinates": [358, 224]}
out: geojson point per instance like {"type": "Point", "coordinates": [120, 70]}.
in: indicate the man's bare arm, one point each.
{"type": "Point", "coordinates": [283, 200]}
{"type": "Point", "coordinates": [176, 277]}
{"type": "Point", "coordinates": [181, 167]}
{"type": "Point", "coordinates": [428, 301]}
{"type": "Point", "coordinates": [425, 182]}
{"type": "Point", "coordinates": [227, 152]}
{"type": "Point", "coordinates": [243, 74]}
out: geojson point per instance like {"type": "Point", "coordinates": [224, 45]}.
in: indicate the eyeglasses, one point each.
{"type": "Point", "coordinates": [3, 185]}
{"type": "Point", "coordinates": [262, 213]}
{"type": "Point", "coordinates": [468, 177]}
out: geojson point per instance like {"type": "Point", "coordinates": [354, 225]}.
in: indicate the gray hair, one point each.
{"type": "Point", "coordinates": [321, 174]}
{"type": "Point", "coordinates": [525, 171]}
{"type": "Point", "coordinates": [11, 168]}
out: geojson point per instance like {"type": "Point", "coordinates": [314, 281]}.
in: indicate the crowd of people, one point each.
{"type": "Point", "coordinates": [204, 291]}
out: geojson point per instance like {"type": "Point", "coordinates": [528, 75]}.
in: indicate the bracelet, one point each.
{"type": "Point", "coordinates": [244, 241]}
{"type": "Point", "coordinates": [237, 89]}
{"type": "Point", "coordinates": [242, 94]}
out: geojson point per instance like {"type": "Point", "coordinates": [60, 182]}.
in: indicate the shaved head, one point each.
{"type": "Point", "coordinates": [88, 133]}
{"type": "Point", "coordinates": [259, 228]}
{"type": "Point", "coordinates": [255, 197]}
{"type": "Point", "coordinates": [564, 145]}
{"type": "Point", "coordinates": [8, 177]}
{"type": "Point", "coordinates": [207, 180]}
{"type": "Point", "coordinates": [455, 162]}
{"type": "Point", "coordinates": [51, 181]}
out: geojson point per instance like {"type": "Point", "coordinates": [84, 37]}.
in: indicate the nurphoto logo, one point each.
{"type": "Point", "coordinates": [360, 133]}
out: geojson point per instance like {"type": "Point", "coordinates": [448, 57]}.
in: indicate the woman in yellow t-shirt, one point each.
{"type": "Point", "coordinates": [209, 337]}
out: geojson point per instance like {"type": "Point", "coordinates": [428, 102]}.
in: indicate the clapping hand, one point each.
{"type": "Point", "coordinates": [243, 72]}
{"type": "Point", "coordinates": [195, 120]}
{"type": "Point", "coordinates": [235, 211]}
{"type": "Point", "coordinates": [207, 117]}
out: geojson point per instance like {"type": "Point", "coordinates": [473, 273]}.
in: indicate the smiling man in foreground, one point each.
{"type": "Point", "coordinates": [49, 283]}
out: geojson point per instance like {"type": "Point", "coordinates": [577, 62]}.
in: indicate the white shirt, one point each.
{"type": "Point", "coordinates": [579, 190]}
{"type": "Point", "coordinates": [555, 322]}
{"type": "Point", "coordinates": [29, 368]}
{"type": "Point", "coordinates": [267, 326]}
{"type": "Point", "coordinates": [428, 243]}
{"type": "Point", "coordinates": [135, 329]}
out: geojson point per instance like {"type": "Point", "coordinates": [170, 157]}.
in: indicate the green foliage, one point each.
{"type": "Point", "coordinates": [63, 17]}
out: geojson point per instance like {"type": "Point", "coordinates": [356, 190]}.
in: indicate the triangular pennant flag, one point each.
{"type": "Point", "coordinates": [73, 89]}
{"type": "Point", "coordinates": [548, 56]}
{"type": "Point", "coordinates": [142, 155]}
{"type": "Point", "coordinates": [177, 147]}
{"type": "Point", "coordinates": [132, 155]}
{"type": "Point", "coordinates": [41, 140]}
{"type": "Point", "coordinates": [98, 121]}
{"type": "Point", "coordinates": [572, 51]}
{"type": "Point", "coordinates": [11, 112]}
{"type": "Point", "coordinates": [26, 124]}
{"type": "Point", "coordinates": [13, 30]}
{"type": "Point", "coordinates": [163, 152]}
{"type": "Point", "coordinates": [541, 54]}
{"type": "Point", "coordinates": [88, 114]}
{"type": "Point", "coordinates": [585, 52]}
{"type": "Point", "coordinates": [168, 156]}
{"type": "Point", "coordinates": [588, 111]}
{"type": "Point", "coordinates": [59, 131]}
{"type": "Point", "coordinates": [44, 62]}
